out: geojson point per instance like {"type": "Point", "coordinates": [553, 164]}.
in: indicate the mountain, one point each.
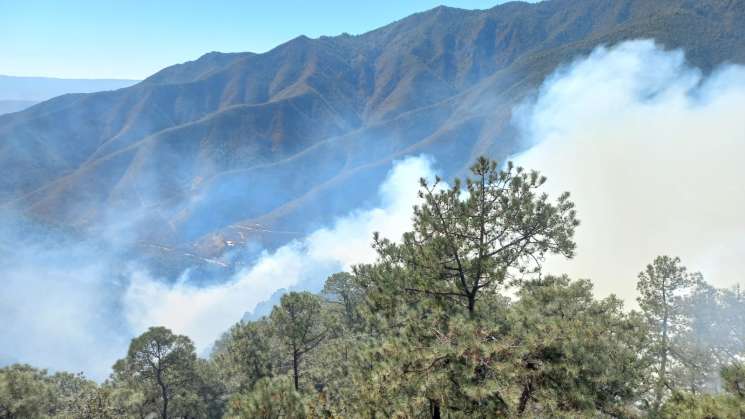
{"type": "Point", "coordinates": [237, 147]}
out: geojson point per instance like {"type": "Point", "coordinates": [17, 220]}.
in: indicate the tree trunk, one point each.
{"type": "Point", "coordinates": [164, 394]}
{"type": "Point", "coordinates": [662, 379]}
{"type": "Point", "coordinates": [435, 408]}
{"type": "Point", "coordinates": [525, 397]}
{"type": "Point", "coordinates": [295, 374]}
{"type": "Point", "coordinates": [165, 405]}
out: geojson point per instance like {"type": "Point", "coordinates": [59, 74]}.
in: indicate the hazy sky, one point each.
{"type": "Point", "coordinates": [135, 38]}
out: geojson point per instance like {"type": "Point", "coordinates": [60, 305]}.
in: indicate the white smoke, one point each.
{"type": "Point", "coordinates": [58, 305]}
{"type": "Point", "coordinates": [653, 153]}
{"type": "Point", "coordinates": [74, 305]}
{"type": "Point", "coordinates": [203, 313]}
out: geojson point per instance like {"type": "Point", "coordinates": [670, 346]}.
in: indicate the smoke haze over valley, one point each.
{"type": "Point", "coordinates": [196, 197]}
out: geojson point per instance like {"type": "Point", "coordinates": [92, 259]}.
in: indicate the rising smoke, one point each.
{"type": "Point", "coordinates": [203, 313]}
{"type": "Point", "coordinates": [74, 305]}
{"type": "Point", "coordinates": [59, 305]}
{"type": "Point", "coordinates": [652, 151]}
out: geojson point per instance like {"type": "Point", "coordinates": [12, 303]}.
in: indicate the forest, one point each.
{"type": "Point", "coordinates": [455, 319]}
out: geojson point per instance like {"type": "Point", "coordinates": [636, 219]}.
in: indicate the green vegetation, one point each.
{"type": "Point", "coordinates": [454, 320]}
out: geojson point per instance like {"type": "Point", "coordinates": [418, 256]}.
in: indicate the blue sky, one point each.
{"type": "Point", "coordinates": [135, 38]}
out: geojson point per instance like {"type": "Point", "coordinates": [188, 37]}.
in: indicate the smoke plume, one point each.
{"type": "Point", "coordinates": [652, 151]}
{"type": "Point", "coordinates": [203, 313]}
{"type": "Point", "coordinates": [59, 306]}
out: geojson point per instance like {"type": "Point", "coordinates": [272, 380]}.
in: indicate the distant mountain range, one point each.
{"type": "Point", "coordinates": [236, 147]}
{"type": "Point", "coordinates": [18, 93]}
{"type": "Point", "coordinates": [10, 106]}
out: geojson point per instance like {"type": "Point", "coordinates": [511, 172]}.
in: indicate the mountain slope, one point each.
{"type": "Point", "coordinates": [207, 150]}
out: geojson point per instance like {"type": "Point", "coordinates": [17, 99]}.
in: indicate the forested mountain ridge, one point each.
{"type": "Point", "coordinates": [231, 147]}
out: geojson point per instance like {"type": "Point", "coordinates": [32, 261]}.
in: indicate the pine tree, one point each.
{"type": "Point", "coordinates": [466, 242]}
{"type": "Point", "coordinates": [163, 366]}
{"type": "Point", "coordinates": [661, 288]}
{"type": "Point", "coordinates": [297, 323]}
{"type": "Point", "coordinates": [245, 355]}
{"type": "Point", "coordinates": [433, 298]}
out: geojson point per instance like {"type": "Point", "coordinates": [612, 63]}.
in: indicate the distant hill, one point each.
{"type": "Point", "coordinates": [243, 146]}
{"type": "Point", "coordinates": [9, 106]}
{"type": "Point", "coordinates": [17, 93]}
{"type": "Point", "coordinates": [44, 88]}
